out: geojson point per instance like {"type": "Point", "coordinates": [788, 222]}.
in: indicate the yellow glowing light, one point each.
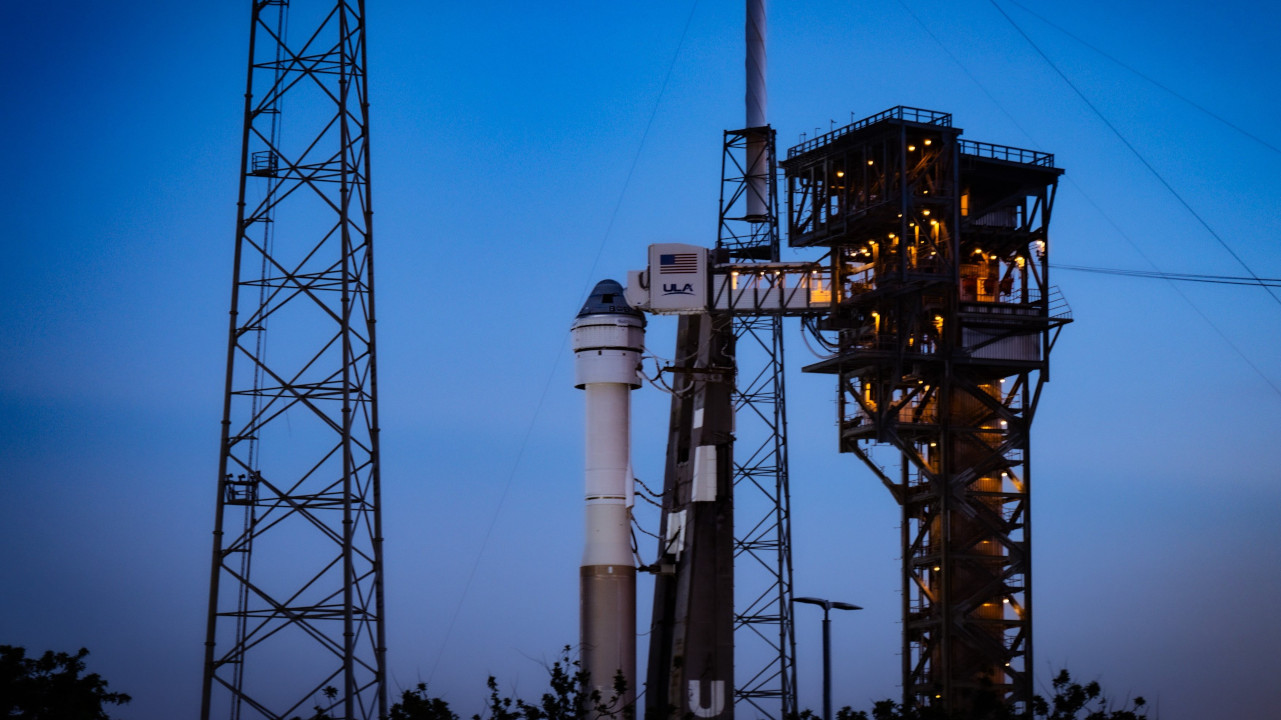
{"type": "Point", "coordinates": [925, 213]}
{"type": "Point", "coordinates": [869, 162]}
{"type": "Point", "coordinates": [911, 148]}
{"type": "Point", "coordinates": [840, 173]}
{"type": "Point", "coordinates": [891, 236]}
{"type": "Point", "coordinates": [928, 141]}
{"type": "Point", "coordinates": [937, 568]}
{"type": "Point", "coordinates": [1006, 601]}
{"type": "Point", "coordinates": [934, 222]}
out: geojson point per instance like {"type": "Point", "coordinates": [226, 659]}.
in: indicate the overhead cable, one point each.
{"type": "Point", "coordinates": [542, 398]}
{"type": "Point", "coordinates": [1181, 277]}
{"type": "Point", "coordinates": [1160, 178]}
{"type": "Point", "coordinates": [1155, 82]}
{"type": "Point", "coordinates": [1098, 208]}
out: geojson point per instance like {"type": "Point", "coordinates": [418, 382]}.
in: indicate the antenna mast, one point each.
{"type": "Point", "coordinates": [295, 622]}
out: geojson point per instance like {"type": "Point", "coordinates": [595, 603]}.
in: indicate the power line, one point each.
{"type": "Point", "coordinates": [1097, 208]}
{"type": "Point", "coordinates": [1152, 80]}
{"type": "Point", "coordinates": [1181, 277]}
{"type": "Point", "coordinates": [560, 352]}
{"type": "Point", "coordinates": [1099, 114]}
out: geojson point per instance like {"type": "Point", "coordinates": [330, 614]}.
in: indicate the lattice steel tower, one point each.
{"type": "Point", "coordinates": [941, 327]}
{"type": "Point", "coordinates": [296, 598]}
{"type": "Point", "coordinates": [763, 632]}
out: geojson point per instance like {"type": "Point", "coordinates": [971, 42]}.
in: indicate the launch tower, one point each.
{"type": "Point", "coordinates": [940, 330]}
{"type": "Point", "coordinates": [295, 620]}
{"type": "Point", "coordinates": [748, 238]}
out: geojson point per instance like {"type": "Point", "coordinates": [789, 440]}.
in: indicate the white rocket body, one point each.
{"type": "Point", "coordinates": [608, 336]}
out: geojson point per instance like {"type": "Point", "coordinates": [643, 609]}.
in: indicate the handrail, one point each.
{"type": "Point", "coordinates": [898, 112]}
{"type": "Point", "coordinates": [1059, 308]}
{"type": "Point", "coordinates": [1007, 153]}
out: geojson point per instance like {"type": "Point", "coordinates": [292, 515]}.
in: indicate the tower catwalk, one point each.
{"type": "Point", "coordinates": [943, 321]}
{"type": "Point", "coordinates": [295, 620]}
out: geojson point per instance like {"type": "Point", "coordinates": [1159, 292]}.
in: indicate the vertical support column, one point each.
{"type": "Point", "coordinates": [691, 650]}
{"type": "Point", "coordinates": [758, 194]}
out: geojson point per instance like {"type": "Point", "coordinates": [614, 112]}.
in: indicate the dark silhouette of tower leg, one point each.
{"type": "Point", "coordinates": [691, 650]}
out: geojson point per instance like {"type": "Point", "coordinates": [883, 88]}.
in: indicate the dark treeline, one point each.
{"type": "Point", "coordinates": [52, 687]}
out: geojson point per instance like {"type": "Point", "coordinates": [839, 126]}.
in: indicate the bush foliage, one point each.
{"type": "Point", "coordinates": [51, 687]}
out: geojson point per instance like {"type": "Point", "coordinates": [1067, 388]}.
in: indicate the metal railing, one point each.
{"type": "Point", "coordinates": [899, 112]}
{"type": "Point", "coordinates": [1006, 153]}
{"type": "Point", "coordinates": [1059, 308]}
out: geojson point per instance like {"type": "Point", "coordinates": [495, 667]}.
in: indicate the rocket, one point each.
{"type": "Point", "coordinates": [608, 336]}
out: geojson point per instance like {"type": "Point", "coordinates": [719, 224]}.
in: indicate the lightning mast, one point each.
{"type": "Point", "coordinates": [748, 233]}
{"type": "Point", "coordinates": [722, 632]}
{"type": "Point", "coordinates": [295, 621]}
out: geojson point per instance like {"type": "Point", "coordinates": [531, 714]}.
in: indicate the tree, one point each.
{"type": "Point", "coordinates": [1071, 701]}
{"type": "Point", "coordinates": [568, 696]}
{"type": "Point", "coordinates": [51, 688]}
{"type": "Point", "coordinates": [416, 704]}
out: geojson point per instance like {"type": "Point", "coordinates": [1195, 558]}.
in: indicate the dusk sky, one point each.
{"type": "Point", "coordinates": [521, 152]}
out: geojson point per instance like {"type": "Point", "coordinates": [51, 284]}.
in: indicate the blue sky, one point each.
{"type": "Point", "coordinates": [512, 169]}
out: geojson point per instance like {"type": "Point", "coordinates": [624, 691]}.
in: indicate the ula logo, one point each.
{"type": "Point", "coordinates": [676, 289]}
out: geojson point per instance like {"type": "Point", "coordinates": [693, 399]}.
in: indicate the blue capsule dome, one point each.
{"type": "Point", "coordinates": [607, 299]}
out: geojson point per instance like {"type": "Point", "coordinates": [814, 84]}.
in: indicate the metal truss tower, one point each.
{"type": "Point", "coordinates": [763, 632]}
{"type": "Point", "coordinates": [941, 325]}
{"type": "Point", "coordinates": [295, 622]}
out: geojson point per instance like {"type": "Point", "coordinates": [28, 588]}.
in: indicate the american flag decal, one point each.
{"type": "Point", "coordinates": [678, 263]}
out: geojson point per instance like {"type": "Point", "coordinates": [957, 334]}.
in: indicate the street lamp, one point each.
{"type": "Point", "coordinates": [828, 606]}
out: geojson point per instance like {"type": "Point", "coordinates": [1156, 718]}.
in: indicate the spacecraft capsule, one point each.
{"type": "Point", "coordinates": [608, 337]}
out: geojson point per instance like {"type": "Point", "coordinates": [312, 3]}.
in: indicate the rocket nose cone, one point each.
{"type": "Point", "coordinates": [607, 299]}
